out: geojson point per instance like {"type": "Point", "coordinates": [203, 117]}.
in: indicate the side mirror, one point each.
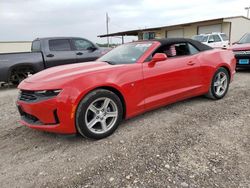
{"type": "Point", "coordinates": [159, 57]}
{"type": "Point", "coordinates": [211, 41]}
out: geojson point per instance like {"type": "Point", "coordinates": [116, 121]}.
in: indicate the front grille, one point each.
{"type": "Point", "coordinates": [27, 96]}
{"type": "Point", "coordinates": [242, 52]}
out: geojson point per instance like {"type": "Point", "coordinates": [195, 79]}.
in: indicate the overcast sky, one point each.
{"type": "Point", "coordinates": [29, 19]}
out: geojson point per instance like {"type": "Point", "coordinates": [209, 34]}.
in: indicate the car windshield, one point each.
{"type": "Point", "coordinates": [200, 38]}
{"type": "Point", "coordinates": [125, 54]}
{"type": "Point", "coordinates": [224, 37]}
{"type": "Point", "coordinates": [197, 37]}
{"type": "Point", "coordinates": [245, 39]}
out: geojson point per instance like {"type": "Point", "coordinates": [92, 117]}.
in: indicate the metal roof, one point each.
{"type": "Point", "coordinates": [135, 32]}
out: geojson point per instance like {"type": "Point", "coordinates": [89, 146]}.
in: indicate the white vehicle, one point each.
{"type": "Point", "coordinates": [215, 40]}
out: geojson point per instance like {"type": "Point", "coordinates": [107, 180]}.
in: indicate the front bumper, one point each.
{"type": "Point", "coordinates": [52, 115]}
{"type": "Point", "coordinates": [242, 55]}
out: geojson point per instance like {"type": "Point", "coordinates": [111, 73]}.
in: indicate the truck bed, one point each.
{"type": "Point", "coordinates": [8, 61]}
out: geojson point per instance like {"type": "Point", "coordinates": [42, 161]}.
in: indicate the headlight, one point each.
{"type": "Point", "coordinates": [34, 96]}
{"type": "Point", "coordinates": [47, 93]}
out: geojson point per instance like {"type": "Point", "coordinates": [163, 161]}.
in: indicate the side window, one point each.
{"type": "Point", "coordinates": [182, 49]}
{"type": "Point", "coordinates": [170, 51]}
{"type": "Point", "coordinates": [192, 49]}
{"type": "Point", "coordinates": [148, 35]}
{"type": "Point", "coordinates": [211, 39]}
{"type": "Point", "coordinates": [36, 46]}
{"type": "Point", "coordinates": [59, 45]}
{"type": "Point", "coordinates": [81, 44]}
{"type": "Point", "coordinates": [178, 49]}
{"type": "Point", "coordinates": [217, 38]}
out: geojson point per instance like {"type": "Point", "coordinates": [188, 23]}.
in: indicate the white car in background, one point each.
{"type": "Point", "coordinates": [215, 40]}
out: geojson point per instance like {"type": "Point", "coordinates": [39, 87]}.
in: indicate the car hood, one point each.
{"type": "Point", "coordinates": [69, 72]}
{"type": "Point", "coordinates": [240, 47]}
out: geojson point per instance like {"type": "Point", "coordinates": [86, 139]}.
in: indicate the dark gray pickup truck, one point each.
{"type": "Point", "coordinates": [46, 53]}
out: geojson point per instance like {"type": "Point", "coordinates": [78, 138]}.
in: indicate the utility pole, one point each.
{"type": "Point", "coordinates": [247, 9]}
{"type": "Point", "coordinates": [107, 27]}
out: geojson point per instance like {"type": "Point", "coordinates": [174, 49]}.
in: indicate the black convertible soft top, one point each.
{"type": "Point", "coordinates": [197, 44]}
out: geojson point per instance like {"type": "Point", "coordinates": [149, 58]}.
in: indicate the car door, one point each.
{"type": "Point", "coordinates": [85, 50]}
{"type": "Point", "coordinates": [176, 78]}
{"type": "Point", "coordinates": [59, 52]}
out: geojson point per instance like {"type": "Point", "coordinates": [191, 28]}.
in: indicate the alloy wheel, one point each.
{"type": "Point", "coordinates": [220, 84]}
{"type": "Point", "coordinates": [101, 115]}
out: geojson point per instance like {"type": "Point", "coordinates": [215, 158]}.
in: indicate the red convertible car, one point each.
{"type": "Point", "coordinates": [93, 98]}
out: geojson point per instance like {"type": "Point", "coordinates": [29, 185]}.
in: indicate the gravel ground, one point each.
{"type": "Point", "coordinates": [193, 143]}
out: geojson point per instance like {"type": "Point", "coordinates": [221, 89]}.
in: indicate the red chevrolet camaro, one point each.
{"type": "Point", "coordinates": [92, 98]}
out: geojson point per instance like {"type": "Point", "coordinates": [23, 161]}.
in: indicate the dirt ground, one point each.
{"type": "Point", "coordinates": [193, 143]}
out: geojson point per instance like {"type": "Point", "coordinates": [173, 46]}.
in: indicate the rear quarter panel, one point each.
{"type": "Point", "coordinates": [212, 60]}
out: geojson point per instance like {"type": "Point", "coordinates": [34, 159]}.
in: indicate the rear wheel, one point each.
{"type": "Point", "coordinates": [19, 74]}
{"type": "Point", "coordinates": [99, 114]}
{"type": "Point", "coordinates": [219, 85]}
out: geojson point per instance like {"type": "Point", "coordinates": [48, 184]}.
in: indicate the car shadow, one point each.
{"type": "Point", "coordinates": [243, 70]}
{"type": "Point", "coordinates": [171, 106]}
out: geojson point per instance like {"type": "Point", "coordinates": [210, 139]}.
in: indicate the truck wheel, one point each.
{"type": "Point", "coordinates": [99, 114]}
{"type": "Point", "coordinates": [18, 75]}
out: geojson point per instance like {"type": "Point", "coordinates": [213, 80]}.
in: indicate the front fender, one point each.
{"type": "Point", "coordinates": [128, 83]}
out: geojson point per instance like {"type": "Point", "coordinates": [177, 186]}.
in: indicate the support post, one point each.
{"type": "Point", "coordinates": [122, 39]}
{"type": "Point", "coordinates": [107, 27]}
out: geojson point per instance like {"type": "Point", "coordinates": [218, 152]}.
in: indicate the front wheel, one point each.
{"type": "Point", "coordinates": [220, 84]}
{"type": "Point", "coordinates": [99, 114]}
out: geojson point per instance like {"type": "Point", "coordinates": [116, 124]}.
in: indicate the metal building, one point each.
{"type": "Point", "coordinates": [234, 27]}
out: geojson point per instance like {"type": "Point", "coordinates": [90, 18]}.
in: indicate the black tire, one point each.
{"type": "Point", "coordinates": [19, 74]}
{"type": "Point", "coordinates": [83, 108]}
{"type": "Point", "coordinates": [212, 94]}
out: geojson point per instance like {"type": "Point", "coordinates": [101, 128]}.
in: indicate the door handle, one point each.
{"type": "Point", "coordinates": [50, 55]}
{"type": "Point", "coordinates": [191, 63]}
{"type": "Point", "coordinates": [79, 53]}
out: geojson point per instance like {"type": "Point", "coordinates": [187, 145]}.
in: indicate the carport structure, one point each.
{"type": "Point", "coordinates": [234, 27]}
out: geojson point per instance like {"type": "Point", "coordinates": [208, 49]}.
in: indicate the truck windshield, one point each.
{"type": "Point", "coordinates": [245, 39]}
{"type": "Point", "coordinates": [200, 38]}
{"type": "Point", "coordinates": [125, 54]}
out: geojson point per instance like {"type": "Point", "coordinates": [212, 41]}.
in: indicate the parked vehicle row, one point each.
{"type": "Point", "coordinates": [46, 53]}
{"type": "Point", "coordinates": [93, 98]}
{"type": "Point", "coordinates": [241, 48]}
